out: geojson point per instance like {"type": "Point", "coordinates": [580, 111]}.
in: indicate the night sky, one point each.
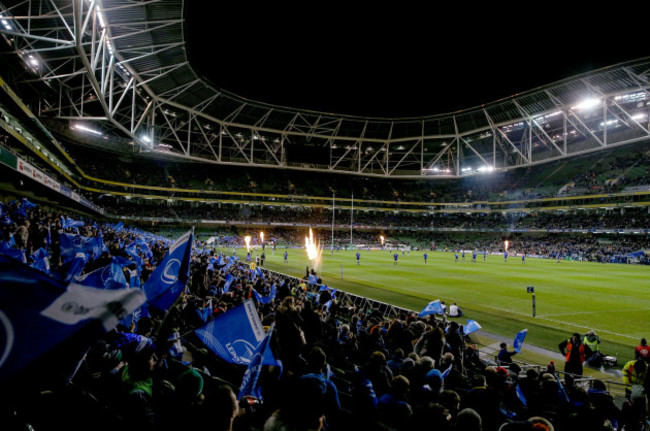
{"type": "Point", "coordinates": [393, 63]}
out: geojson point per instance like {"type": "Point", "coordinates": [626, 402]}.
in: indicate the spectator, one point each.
{"type": "Point", "coordinates": [642, 351]}
{"type": "Point", "coordinates": [575, 354]}
{"type": "Point", "coordinates": [394, 406]}
{"type": "Point", "coordinates": [634, 373]}
{"type": "Point", "coordinates": [504, 357]}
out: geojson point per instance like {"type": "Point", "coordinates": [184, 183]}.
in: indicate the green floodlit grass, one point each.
{"type": "Point", "coordinates": [571, 296]}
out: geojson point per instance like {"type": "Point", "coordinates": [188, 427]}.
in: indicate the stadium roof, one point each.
{"type": "Point", "coordinates": [120, 68]}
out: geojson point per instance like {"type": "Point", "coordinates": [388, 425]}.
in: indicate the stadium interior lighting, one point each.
{"type": "Point", "coordinates": [587, 104]}
{"type": "Point", "coordinates": [146, 139]}
{"type": "Point", "coordinates": [486, 169]}
{"type": "Point", "coordinates": [83, 128]}
{"type": "Point", "coordinates": [100, 17]}
{"type": "Point", "coordinates": [6, 24]}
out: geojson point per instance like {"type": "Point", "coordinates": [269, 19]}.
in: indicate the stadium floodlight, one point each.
{"type": "Point", "coordinates": [486, 168]}
{"type": "Point", "coordinates": [83, 128]}
{"type": "Point", "coordinates": [146, 139]}
{"type": "Point", "coordinates": [587, 104]}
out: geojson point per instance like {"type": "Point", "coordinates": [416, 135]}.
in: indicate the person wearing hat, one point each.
{"type": "Point", "coordinates": [592, 341]}
{"type": "Point", "coordinates": [575, 353]}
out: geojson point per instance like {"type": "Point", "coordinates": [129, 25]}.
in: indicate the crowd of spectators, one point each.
{"type": "Point", "coordinates": [343, 366]}
{"type": "Point", "coordinates": [611, 172]}
{"type": "Point", "coordinates": [628, 218]}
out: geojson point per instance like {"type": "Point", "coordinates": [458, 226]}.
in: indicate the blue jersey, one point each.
{"type": "Point", "coordinates": [425, 257]}
{"type": "Point", "coordinates": [358, 255]}
{"type": "Point", "coordinates": [395, 256]}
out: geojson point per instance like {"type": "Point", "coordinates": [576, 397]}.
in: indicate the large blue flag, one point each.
{"type": "Point", "coordinates": [235, 335]}
{"type": "Point", "coordinates": [92, 247]}
{"type": "Point", "coordinates": [434, 307]}
{"type": "Point", "coordinates": [107, 277]}
{"type": "Point", "coordinates": [519, 340]}
{"type": "Point", "coordinates": [471, 326]}
{"type": "Point", "coordinates": [250, 384]}
{"type": "Point", "coordinates": [37, 313]}
{"type": "Point", "coordinates": [168, 280]}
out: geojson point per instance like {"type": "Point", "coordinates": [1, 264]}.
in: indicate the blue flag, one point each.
{"type": "Point", "coordinates": [107, 277]}
{"type": "Point", "coordinates": [25, 204]}
{"type": "Point", "coordinates": [434, 307]}
{"type": "Point", "coordinates": [520, 395]}
{"type": "Point", "coordinates": [250, 384]}
{"type": "Point", "coordinates": [168, 280]}
{"type": "Point", "coordinates": [561, 392]}
{"type": "Point", "coordinates": [471, 326]}
{"type": "Point", "coordinates": [519, 340]}
{"type": "Point", "coordinates": [67, 222]}
{"type": "Point", "coordinates": [118, 227]}
{"type": "Point", "coordinates": [92, 247]}
{"type": "Point", "coordinates": [71, 269]}
{"type": "Point", "coordinates": [263, 299]}
{"type": "Point", "coordinates": [313, 279]}
{"type": "Point", "coordinates": [229, 279]}
{"type": "Point", "coordinates": [40, 260]}
{"type": "Point", "coordinates": [14, 253]}
{"type": "Point", "coordinates": [234, 335]}
{"type": "Point", "coordinates": [37, 313]}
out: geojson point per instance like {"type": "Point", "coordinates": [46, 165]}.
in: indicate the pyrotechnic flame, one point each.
{"type": "Point", "coordinates": [262, 236]}
{"type": "Point", "coordinates": [247, 240]}
{"type": "Point", "coordinates": [313, 249]}
{"type": "Point", "coordinates": [382, 239]}
{"type": "Point", "coordinates": [507, 243]}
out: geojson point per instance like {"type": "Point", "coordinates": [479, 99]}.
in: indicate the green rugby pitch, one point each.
{"type": "Point", "coordinates": [571, 296]}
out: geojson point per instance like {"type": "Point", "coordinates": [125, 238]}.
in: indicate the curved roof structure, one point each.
{"type": "Point", "coordinates": [119, 68]}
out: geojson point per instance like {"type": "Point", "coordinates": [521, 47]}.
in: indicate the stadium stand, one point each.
{"type": "Point", "coordinates": [117, 313]}
{"type": "Point", "coordinates": [337, 362]}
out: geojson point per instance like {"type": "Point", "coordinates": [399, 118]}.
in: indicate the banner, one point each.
{"type": "Point", "coordinates": [234, 335]}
